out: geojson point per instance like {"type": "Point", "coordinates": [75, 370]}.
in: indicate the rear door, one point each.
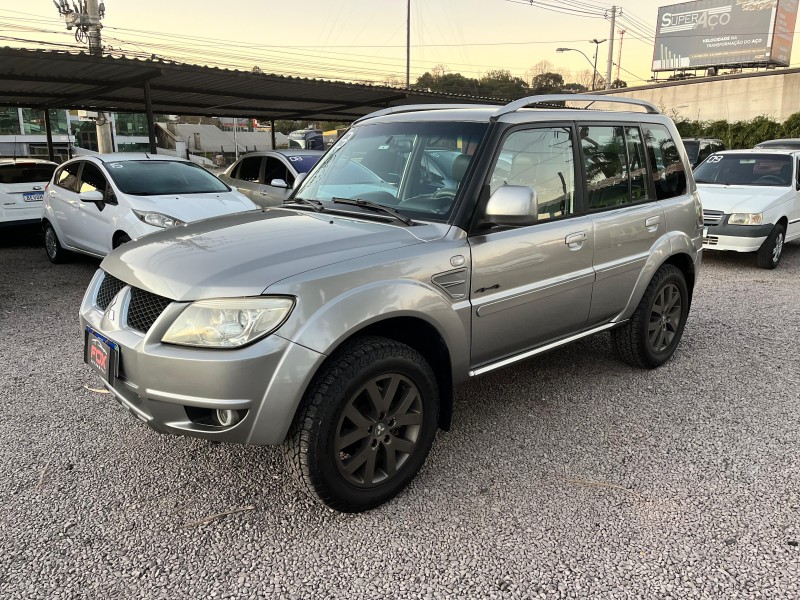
{"type": "Point", "coordinates": [626, 220]}
{"type": "Point", "coordinates": [22, 188]}
{"type": "Point", "coordinates": [533, 284]}
{"type": "Point", "coordinates": [63, 199]}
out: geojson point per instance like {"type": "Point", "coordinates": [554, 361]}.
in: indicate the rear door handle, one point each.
{"type": "Point", "coordinates": [575, 240]}
{"type": "Point", "coordinates": [652, 223]}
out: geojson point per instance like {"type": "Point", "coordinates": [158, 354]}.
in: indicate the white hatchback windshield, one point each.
{"type": "Point", "coordinates": [746, 169]}
{"type": "Point", "coordinates": [415, 168]}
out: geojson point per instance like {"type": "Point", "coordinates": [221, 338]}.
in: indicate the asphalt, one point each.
{"type": "Point", "coordinates": [568, 476]}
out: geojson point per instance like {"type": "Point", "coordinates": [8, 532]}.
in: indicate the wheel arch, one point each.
{"type": "Point", "coordinates": [117, 235]}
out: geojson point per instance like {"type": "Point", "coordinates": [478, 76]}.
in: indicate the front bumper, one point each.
{"type": "Point", "coordinates": [176, 389]}
{"type": "Point", "coordinates": [737, 238]}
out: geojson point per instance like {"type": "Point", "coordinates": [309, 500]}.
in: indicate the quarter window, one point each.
{"type": "Point", "coordinates": [541, 159]}
{"type": "Point", "coordinates": [669, 175]}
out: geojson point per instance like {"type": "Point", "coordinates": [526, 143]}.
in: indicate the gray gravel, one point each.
{"type": "Point", "coordinates": [569, 476]}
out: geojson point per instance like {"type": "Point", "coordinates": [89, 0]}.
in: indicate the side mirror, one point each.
{"type": "Point", "coordinates": [513, 205]}
{"type": "Point", "coordinates": [278, 183]}
{"type": "Point", "coordinates": [93, 196]}
{"type": "Point", "coordinates": [299, 179]}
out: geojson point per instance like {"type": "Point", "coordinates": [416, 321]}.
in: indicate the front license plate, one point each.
{"type": "Point", "coordinates": [100, 354]}
{"type": "Point", "coordinates": [33, 196]}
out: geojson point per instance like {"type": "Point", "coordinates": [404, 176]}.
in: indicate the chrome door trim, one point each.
{"type": "Point", "coordinates": [535, 351]}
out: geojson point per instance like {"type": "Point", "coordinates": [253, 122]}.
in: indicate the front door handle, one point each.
{"type": "Point", "coordinates": [575, 240]}
{"type": "Point", "coordinates": [652, 223]}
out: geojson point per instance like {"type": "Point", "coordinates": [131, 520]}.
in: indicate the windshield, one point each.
{"type": "Point", "coordinates": [158, 177]}
{"type": "Point", "coordinates": [302, 163]}
{"type": "Point", "coordinates": [746, 169]}
{"type": "Point", "coordinates": [415, 168]}
{"type": "Point", "coordinates": [692, 150]}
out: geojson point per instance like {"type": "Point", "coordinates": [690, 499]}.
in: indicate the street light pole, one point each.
{"type": "Point", "coordinates": [589, 60]}
{"type": "Point", "coordinates": [596, 43]}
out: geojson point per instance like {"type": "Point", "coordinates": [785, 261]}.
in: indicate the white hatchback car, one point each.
{"type": "Point", "coordinates": [22, 183]}
{"type": "Point", "coordinates": [94, 204]}
{"type": "Point", "coordinates": [751, 202]}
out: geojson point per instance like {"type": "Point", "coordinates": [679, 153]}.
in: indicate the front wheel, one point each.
{"type": "Point", "coordinates": [365, 425]}
{"type": "Point", "coordinates": [650, 337]}
{"type": "Point", "coordinates": [769, 255]}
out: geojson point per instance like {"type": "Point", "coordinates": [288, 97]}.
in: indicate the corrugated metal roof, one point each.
{"type": "Point", "coordinates": [56, 79]}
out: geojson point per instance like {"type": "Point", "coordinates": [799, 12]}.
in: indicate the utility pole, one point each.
{"type": "Point", "coordinates": [619, 52]}
{"type": "Point", "coordinates": [611, 47]}
{"type": "Point", "coordinates": [408, 45]}
{"type": "Point", "coordinates": [85, 16]}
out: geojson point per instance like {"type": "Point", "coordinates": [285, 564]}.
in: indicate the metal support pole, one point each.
{"type": "Point", "coordinates": [408, 46]}
{"type": "Point", "coordinates": [151, 124]}
{"type": "Point", "coordinates": [611, 47]}
{"type": "Point", "coordinates": [50, 152]}
{"type": "Point", "coordinates": [272, 132]}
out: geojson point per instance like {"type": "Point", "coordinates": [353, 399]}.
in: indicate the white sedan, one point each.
{"type": "Point", "coordinates": [94, 204]}
{"type": "Point", "coordinates": [751, 202]}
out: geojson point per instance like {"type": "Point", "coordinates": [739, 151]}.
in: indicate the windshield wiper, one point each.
{"type": "Point", "coordinates": [374, 206]}
{"type": "Point", "coordinates": [314, 205]}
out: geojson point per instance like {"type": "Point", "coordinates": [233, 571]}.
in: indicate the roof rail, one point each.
{"type": "Point", "coordinates": [591, 99]}
{"type": "Point", "coordinates": [413, 108]}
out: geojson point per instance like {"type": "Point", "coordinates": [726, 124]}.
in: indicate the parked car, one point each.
{"type": "Point", "coordinates": [267, 177]}
{"type": "Point", "coordinates": [699, 149]}
{"type": "Point", "coordinates": [750, 202]}
{"type": "Point", "coordinates": [339, 323]}
{"type": "Point", "coordinates": [22, 183]}
{"type": "Point", "coordinates": [781, 144]}
{"type": "Point", "coordinates": [94, 204]}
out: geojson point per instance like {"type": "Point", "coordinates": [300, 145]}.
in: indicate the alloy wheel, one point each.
{"type": "Point", "coordinates": [665, 317]}
{"type": "Point", "coordinates": [50, 242]}
{"type": "Point", "coordinates": [778, 248]}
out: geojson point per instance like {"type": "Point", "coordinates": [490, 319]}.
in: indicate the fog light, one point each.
{"type": "Point", "coordinates": [227, 418]}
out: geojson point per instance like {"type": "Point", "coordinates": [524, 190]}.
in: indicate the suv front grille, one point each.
{"type": "Point", "coordinates": [144, 309]}
{"type": "Point", "coordinates": [109, 287]}
{"type": "Point", "coordinates": [712, 217]}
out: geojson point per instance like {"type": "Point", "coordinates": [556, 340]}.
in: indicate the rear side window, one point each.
{"type": "Point", "coordinates": [669, 175]}
{"type": "Point", "coordinates": [615, 166]}
{"type": "Point", "coordinates": [26, 173]}
{"type": "Point", "coordinates": [249, 169]}
{"type": "Point", "coordinates": [67, 176]}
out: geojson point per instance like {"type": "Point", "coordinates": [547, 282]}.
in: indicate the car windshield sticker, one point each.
{"type": "Point", "coordinates": [714, 159]}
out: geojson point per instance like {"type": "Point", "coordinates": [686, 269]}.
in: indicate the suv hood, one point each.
{"type": "Point", "coordinates": [243, 254]}
{"type": "Point", "coordinates": [742, 199]}
{"type": "Point", "coordinates": [193, 207]}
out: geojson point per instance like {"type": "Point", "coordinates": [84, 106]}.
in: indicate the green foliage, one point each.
{"type": "Point", "coordinates": [494, 84]}
{"type": "Point", "coordinates": [547, 82]}
{"type": "Point", "coordinates": [741, 134]}
{"type": "Point", "coordinates": [618, 84]}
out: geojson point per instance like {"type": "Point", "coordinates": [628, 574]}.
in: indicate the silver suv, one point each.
{"type": "Point", "coordinates": [430, 244]}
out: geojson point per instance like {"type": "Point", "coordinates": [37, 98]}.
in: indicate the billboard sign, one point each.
{"type": "Point", "coordinates": [708, 33]}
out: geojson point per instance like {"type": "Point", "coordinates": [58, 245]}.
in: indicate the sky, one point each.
{"type": "Point", "coordinates": [360, 40]}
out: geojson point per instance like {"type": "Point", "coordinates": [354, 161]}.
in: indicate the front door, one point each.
{"type": "Point", "coordinates": [533, 284]}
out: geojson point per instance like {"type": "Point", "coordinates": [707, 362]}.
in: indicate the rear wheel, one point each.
{"type": "Point", "coordinates": [52, 246]}
{"type": "Point", "coordinates": [769, 255]}
{"type": "Point", "coordinates": [650, 337]}
{"type": "Point", "coordinates": [365, 426]}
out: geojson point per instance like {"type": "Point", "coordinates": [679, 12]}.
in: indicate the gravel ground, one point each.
{"type": "Point", "coordinates": [568, 476]}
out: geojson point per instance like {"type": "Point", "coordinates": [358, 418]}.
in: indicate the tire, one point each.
{"type": "Point", "coordinates": [769, 255]}
{"type": "Point", "coordinates": [352, 449]}
{"type": "Point", "coordinates": [52, 246]}
{"type": "Point", "coordinates": [651, 335]}
{"type": "Point", "coordinates": [122, 238]}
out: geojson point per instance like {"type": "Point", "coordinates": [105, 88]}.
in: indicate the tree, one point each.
{"type": "Point", "coordinates": [574, 87]}
{"type": "Point", "coordinates": [500, 83]}
{"type": "Point", "coordinates": [618, 84]}
{"type": "Point", "coordinates": [547, 82]}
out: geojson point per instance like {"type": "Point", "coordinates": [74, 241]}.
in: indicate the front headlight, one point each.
{"type": "Point", "coordinates": [157, 219]}
{"type": "Point", "coordinates": [746, 219]}
{"type": "Point", "coordinates": [229, 322]}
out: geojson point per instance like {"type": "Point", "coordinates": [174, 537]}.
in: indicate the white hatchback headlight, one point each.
{"type": "Point", "coordinates": [157, 219]}
{"type": "Point", "coordinates": [229, 322]}
{"type": "Point", "coordinates": [746, 219]}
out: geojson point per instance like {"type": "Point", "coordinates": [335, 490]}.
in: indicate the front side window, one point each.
{"type": "Point", "coordinates": [769, 170]}
{"type": "Point", "coordinates": [92, 179]}
{"type": "Point", "coordinates": [275, 169]}
{"type": "Point", "coordinates": [413, 167]}
{"type": "Point", "coordinates": [158, 177]}
{"type": "Point", "coordinates": [543, 160]}
{"type": "Point", "coordinates": [669, 175]}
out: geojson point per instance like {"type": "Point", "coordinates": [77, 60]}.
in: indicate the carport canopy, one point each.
{"type": "Point", "coordinates": [46, 79]}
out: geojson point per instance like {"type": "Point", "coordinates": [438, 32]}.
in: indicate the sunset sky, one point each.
{"type": "Point", "coordinates": [359, 40]}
